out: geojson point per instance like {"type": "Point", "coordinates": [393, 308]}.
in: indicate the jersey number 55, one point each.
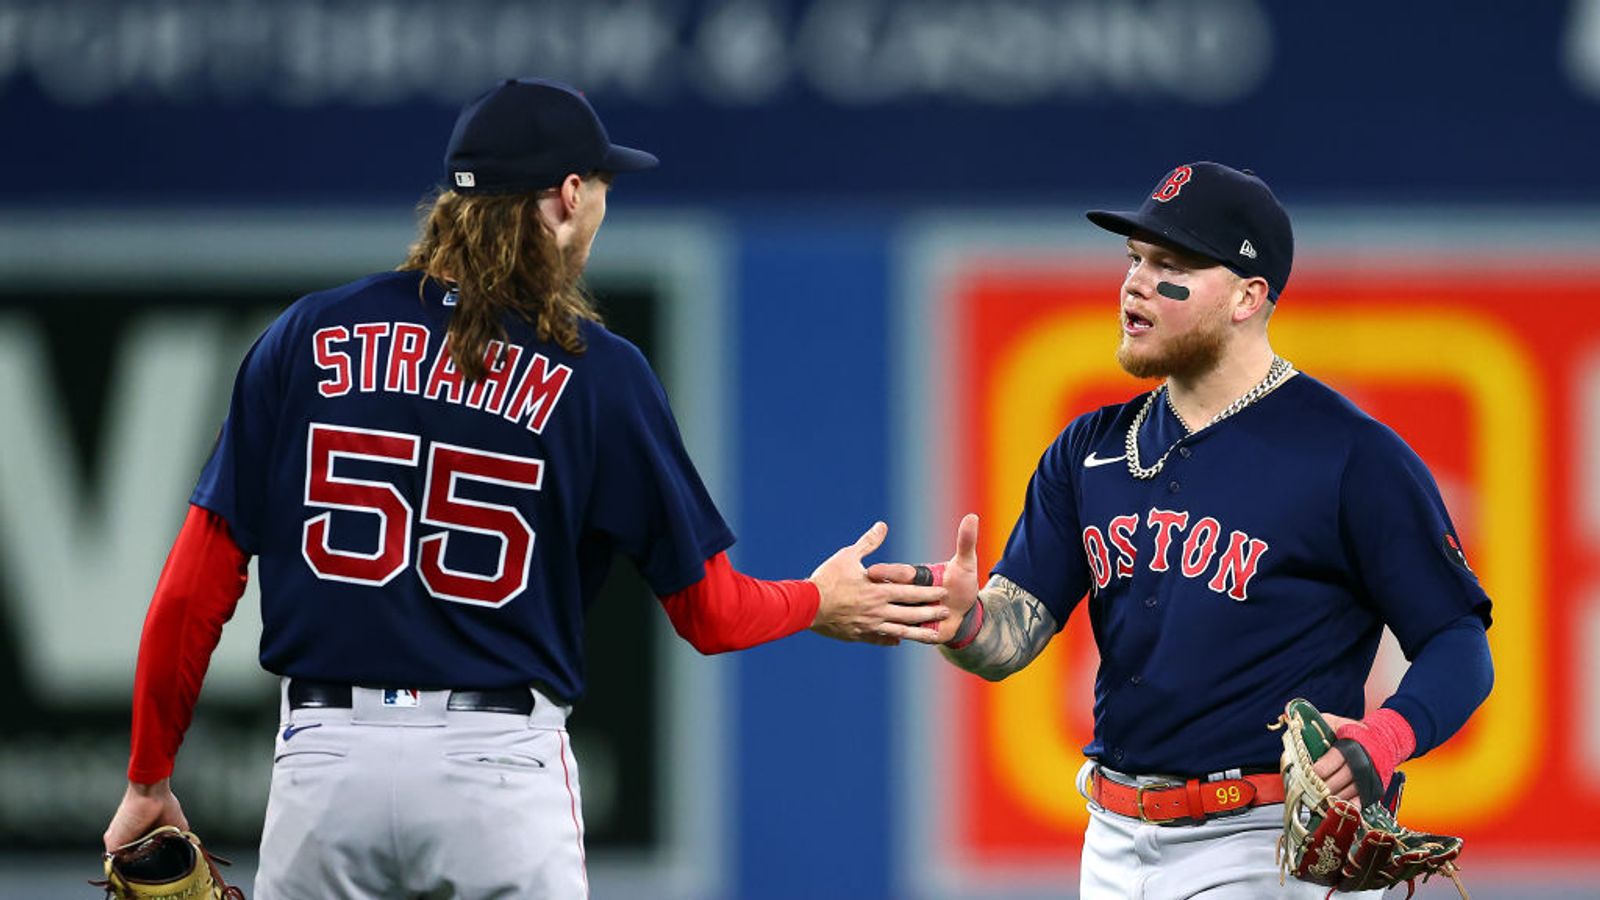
{"type": "Point", "coordinates": [447, 466]}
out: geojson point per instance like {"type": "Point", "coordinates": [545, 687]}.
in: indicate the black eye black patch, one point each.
{"type": "Point", "coordinates": [1172, 291]}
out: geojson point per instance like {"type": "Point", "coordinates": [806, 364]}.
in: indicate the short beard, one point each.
{"type": "Point", "coordinates": [1184, 357]}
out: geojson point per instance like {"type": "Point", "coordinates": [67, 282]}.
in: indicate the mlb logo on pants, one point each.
{"type": "Point", "coordinates": [399, 697]}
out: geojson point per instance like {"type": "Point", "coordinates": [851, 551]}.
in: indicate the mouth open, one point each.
{"type": "Point", "coordinates": [1133, 323]}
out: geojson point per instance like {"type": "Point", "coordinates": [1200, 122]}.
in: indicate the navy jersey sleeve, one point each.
{"type": "Point", "coordinates": [234, 482]}
{"type": "Point", "coordinates": [1401, 544]}
{"type": "Point", "coordinates": [1044, 555]}
{"type": "Point", "coordinates": [649, 499]}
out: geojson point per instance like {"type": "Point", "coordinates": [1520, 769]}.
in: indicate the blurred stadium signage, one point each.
{"type": "Point", "coordinates": [1504, 406]}
{"type": "Point", "coordinates": [366, 52]}
{"type": "Point", "coordinates": [255, 100]}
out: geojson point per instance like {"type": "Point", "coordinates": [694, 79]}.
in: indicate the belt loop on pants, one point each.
{"type": "Point", "coordinates": [1183, 802]}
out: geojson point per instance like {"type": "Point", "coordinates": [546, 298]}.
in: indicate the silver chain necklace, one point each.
{"type": "Point", "coordinates": [1276, 373]}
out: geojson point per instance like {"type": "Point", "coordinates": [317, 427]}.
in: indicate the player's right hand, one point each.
{"type": "Point", "coordinates": [960, 576]}
{"type": "Point", "coordinates": [857, 608]}
{"type": "Point", "coordinates": [144, 807]}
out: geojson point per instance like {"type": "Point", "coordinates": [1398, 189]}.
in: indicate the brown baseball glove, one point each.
{"type": "Point", "coordinates": [166, 864]}
{"type": "Point", "coordinates": [1341, 844]}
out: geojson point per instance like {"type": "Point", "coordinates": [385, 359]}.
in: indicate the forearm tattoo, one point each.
{"type": "Point", "coordinates": [1016, 626]}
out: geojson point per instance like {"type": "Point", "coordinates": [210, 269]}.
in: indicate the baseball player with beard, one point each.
{"type": "Point", "coordinates": [1243, 534]}
{"type": "Point", "coordinates": [435, 467]}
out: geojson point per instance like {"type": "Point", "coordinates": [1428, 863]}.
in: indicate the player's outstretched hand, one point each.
{"type": "Point", "coordinates": [960, 576]}
{"type": "Point", "coordinates": [857, 608]}
{"type": "Point", "coordinates": [144, 807]}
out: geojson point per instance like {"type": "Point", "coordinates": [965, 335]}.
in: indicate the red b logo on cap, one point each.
{"type": "Point", "coordinates": [1174, 183]}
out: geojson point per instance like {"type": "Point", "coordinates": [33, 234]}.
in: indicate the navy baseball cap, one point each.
{"type": "Point", "coordinates": [527, 134]}
{"type": "Point", "coordinates": [1217, 212]}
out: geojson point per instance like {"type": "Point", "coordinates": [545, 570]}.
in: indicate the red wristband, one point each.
{"type": "Point", "coordinates": [973, 620]}
{"type": "Point", "coordinates": [1386, 736]}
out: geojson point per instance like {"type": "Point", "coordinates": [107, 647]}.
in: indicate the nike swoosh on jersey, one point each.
{"type": "Point", "coordinates": [1091, 460]}
{"type": "Point", "coordinates": [289, 731]}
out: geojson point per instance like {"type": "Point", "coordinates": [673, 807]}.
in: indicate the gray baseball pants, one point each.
{"type": "Point", "coordinates": [417, 802]}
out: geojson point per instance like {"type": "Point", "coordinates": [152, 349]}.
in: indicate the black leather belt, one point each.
{"type": "Point", "coordinates": [305, 694]}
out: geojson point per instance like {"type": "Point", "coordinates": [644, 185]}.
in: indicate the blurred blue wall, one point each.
{"type": "Point", "coordinates": [813, 452]}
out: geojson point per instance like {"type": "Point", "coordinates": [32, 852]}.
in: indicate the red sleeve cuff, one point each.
{"type": "Point", "coordinates": [728, 610]}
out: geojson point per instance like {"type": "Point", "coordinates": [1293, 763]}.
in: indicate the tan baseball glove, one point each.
{"type": "Point", "coordinates": [166, 864]}
{"type": "Point", "coordinates": [1342, 844]}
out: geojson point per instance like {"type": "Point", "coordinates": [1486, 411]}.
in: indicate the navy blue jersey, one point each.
{"type": "Point", "coordinates": [1260, 564]}
{"type": "Point", "coordinates": [417, 530]}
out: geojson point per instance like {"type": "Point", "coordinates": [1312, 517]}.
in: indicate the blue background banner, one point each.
{"type": "Point", "coordinates": [751, 100]}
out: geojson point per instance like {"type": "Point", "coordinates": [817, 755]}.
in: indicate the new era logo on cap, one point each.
{"type": "Point", "coordinates": [465, 179]}
{"type": "Point", "coordinates": [1246, 250]}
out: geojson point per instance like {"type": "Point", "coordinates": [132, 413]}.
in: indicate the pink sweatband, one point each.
{"type": "Point", "coordinates": [967, 631]}
{"type": "Point", "coordinates": [1386, 736]}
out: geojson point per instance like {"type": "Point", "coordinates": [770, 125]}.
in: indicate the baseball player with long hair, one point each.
{"type": "Point", "coordinates": [1243, 534]}
{"type": "Point", "coordinates": [435, 467]}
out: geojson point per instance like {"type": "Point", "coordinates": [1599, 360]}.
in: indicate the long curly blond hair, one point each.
{"type": "Point", "coordinates": [498, 254]}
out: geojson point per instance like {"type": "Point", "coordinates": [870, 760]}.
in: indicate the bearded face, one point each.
{"type": "Point", "coordinates": [1168, 338]}
{"type": "Point", "coordinates": [1171, 348]}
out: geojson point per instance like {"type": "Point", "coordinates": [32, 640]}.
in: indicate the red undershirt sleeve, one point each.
{"type": "Point", "coordinates": [198, 591]}
{"type": "Point", "coordinates": [728, 610]}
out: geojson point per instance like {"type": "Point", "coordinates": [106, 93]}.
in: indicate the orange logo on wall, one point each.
{"type": "Point", "coordinates": [1484, 386]}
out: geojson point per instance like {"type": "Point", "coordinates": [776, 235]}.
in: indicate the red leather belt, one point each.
{"type": "Point", "coordinates": [1186, 802]}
